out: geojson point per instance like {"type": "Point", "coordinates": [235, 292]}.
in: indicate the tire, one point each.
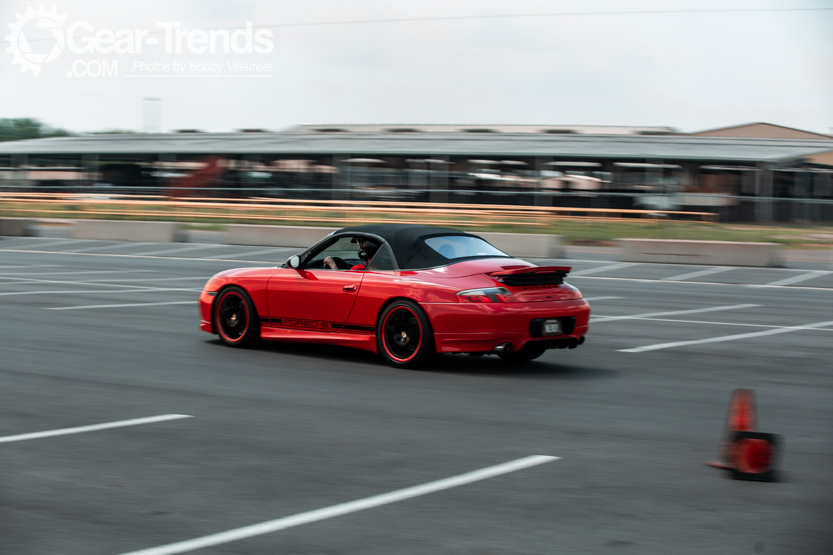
{"type": "Point", "coordinates": [404, 336]}
{"type": "Point", "coordinates": [235, 318]}
{"type": "Point", "coordinates": [530, 351]}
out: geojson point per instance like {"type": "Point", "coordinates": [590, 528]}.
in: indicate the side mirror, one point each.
{"type": "Point", "coordinates": [293, 261]}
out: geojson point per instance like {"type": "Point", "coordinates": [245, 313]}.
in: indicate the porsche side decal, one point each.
{"type": "Point", "coordinates": [314, 325]}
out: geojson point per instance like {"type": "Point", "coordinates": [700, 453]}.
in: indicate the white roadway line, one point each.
{"type": "Point", "coordinates": [607, 268]}
{"type": "Point", "coordinates": [19, 267]}
{"type": "Point", "coordinates": [345, 508]}
{"type": "Point", "coordinates": [690, 275]}
{"type": "Point", "coordinates": [117, 245]}
{"type": "Point", "coordinates": [776, 331]}
{"type": "Point", "coordinates": [97, 281]}
{"type": "Point", "coordinates": [60, 242]}
{"type": "Point", "coordinates": [79, 253]}
{"type": "Point", "coordinates": [672, 313]}
{"type": "Point", "coordinates": [10, 276]}
{"type": "Point", "coordinates": [647, 280]}
{"type": "Point", "coordinates": [273, 250]}
{"type": "Point", "coordinates": [800, 278]}
{"type": "Point", "coordinates": [192, 247]}
{"type": "Point", "coordinates": [94, 427]}
{"type": "Point", "coordinates": [118, 305]}
{"type": "Point", "coordinates": [601, 298]}
{"type": "Point", "coordinates": [66, 282]}
{"type": "Point", "coordinates": [111, 291]}
{"type": "Point", "coordinates": [718, 323]}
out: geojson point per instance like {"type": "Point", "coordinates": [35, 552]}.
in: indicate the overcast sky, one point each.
{"type": "Point", "coordinates": [691, 71]}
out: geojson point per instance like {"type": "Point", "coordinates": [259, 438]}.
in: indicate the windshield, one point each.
{"type": "Point", "coordinates": [457, 246]}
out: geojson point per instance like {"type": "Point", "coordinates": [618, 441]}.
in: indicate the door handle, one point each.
{"type": "Point", "coordinates": [349, 288]}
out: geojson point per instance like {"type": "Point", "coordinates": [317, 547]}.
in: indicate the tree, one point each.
{"type": "Point", "coordinates": [17, 129]}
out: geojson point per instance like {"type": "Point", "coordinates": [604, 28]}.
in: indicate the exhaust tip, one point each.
{"type": "Point", "coordinates": [504, 348]}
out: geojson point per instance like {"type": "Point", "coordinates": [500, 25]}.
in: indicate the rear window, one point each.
{"type": "Point", "coordinates": [457, 246]}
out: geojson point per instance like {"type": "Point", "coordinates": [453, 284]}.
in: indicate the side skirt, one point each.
{"type": "Point", "coordinates": [356, 340]}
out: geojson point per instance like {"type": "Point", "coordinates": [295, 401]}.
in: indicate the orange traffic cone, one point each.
{"type": "Point", "coordinates": [748, 454]}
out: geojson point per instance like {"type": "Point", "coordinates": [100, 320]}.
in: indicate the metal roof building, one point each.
{"type": "Point", "coordinates": [522, 163]}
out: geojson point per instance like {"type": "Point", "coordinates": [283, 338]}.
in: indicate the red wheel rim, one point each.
{"type": "Point", "coordinates": [232, 316]}
{"type": "Point", "coordinates": [401, 334]}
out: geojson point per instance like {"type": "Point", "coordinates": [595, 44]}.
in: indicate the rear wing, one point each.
{"type": "Point", "coordinates": [534, 275]}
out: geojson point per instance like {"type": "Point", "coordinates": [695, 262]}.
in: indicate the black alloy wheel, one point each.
{"type": "Point", "coordinates": [235, 318]}
{"type": "Point", "coordinates": [404, 336]}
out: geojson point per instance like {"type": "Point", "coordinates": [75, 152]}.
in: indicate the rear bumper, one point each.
{"type": "Point", "coordinates": [472, 327]}
{"type": "Point", "coordinates": [206, 302]}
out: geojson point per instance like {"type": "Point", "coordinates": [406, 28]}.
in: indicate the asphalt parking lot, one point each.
{"type": "Point", "coordinates": [191, 439]}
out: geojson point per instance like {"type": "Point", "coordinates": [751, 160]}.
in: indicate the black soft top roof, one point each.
{"type": "Point", "coordinates": [408, 242]}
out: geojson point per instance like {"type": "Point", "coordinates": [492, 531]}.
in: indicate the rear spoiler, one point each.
{"type": "Point", "coordinates": [534, 275]}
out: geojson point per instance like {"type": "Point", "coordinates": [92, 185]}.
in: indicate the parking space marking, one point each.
{"type": "Point", "coordinates": [19, 267]}
{"type": "Point", "coordinates": [167, 258]}
{"type": "Point", "coordinates": [718, 323]}
{"type": "Point", "coordinates": [608, 268]}
{"type": "Point", "coordinates": [142, 280]}
{"type": "Point", "coordinates": [274, 250]}
{"type": "Point", "coordinates": [691, 275]}
{"type": "Point", "coordinates": [673, 313]}
{"type": "Point", "coordinates": [169, 250]}
{"type": "Point", "coordinates": [601, 298]}
{"type": "Point", "coordinates": [60, 242]}
{"type": "Point", "coordinates": [117, 305]}
{"type": "Point", "coordinates": [11, 276]}
{"type": "Point", "coordinates": [121, 245]}
{"type": "Point", "coordinates": [800, 278]}
{"type": "Point", "coordinates": [111, 291]}
{"type": "Point", "coordinates": [345, 508]}
{"type": "Point", "coordinates": [786, 329]}
{"type": "Point", "coordinates": [16, 281]}
{"type": "Point", "coordinates": [94, 427]}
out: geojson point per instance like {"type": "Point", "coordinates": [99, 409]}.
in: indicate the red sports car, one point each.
{"type": "Point", "coordinates": [407, 292]}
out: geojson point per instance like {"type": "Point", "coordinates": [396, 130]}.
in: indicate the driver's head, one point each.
{"type": "Point", "coordinates": [367, 249]}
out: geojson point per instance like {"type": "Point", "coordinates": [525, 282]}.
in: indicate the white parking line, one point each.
{"type": "Point", "coordinates": [169, 250]}
{"type": "Point", "coordinates": [608, 268]}
{"type": "Point", "coordinates": [800, 278]}
{"type": "Point", "coordinates": [726, 338]}
{"type": "Point", "coordinates": [111, 291]}
{"type": "Point", "coordinates": [345, 508]}
{"type": "Point", "coordinates": [19, 281]}
{"type": "Point", "coordinates": [718, 323]}
{"type": "Point", "coordinates": [274, 250]}
{"type": "Point", "coordinates": [142, 280]}
{"type": "Point", "coordinates": [600, 298]}
{"type": "Point", "coordinates": [10, 276]}
{"type": "Point", "coordinates": [60, 242]}
{"type": "Point", "coordinates": [121, 245]}
{"type": "Point", "coordinates": [269, 263]}
{"type": "Point", "coordinates": [691, 275]}
{"type": "Point", "coordinates": [118, 305]}
{"type": "Point", "coordinates": [29, 266]}
{"type": "Point", "coordinates": [94, 427]}
{"type": "Point", "coordinates": [673, 313]}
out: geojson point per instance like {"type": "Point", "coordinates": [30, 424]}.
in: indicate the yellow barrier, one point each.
{"type": "Point", "coordinates": [155, 207]}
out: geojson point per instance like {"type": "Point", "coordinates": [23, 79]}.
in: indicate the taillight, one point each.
{"type": "Point", "coordinates": [488, 295]}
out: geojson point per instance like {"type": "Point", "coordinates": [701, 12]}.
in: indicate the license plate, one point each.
{"type": "Point", "coordinates": [552, 327]}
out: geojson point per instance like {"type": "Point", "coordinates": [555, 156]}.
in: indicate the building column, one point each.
{"type": "Point", "coordinates": [763, 193]}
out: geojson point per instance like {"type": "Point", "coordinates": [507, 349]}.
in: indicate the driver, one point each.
{"type": "Point", "coordinates": [367, 249]}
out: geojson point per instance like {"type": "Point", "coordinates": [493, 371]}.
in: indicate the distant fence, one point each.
{"type": "Point", "coordinates": [271, 210]}
{"type": "Point", "coordinates": [669, 204]}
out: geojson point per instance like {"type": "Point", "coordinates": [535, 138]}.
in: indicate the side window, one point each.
{"type": "Point", "coordinates": [383, 260]}
{"type": "Point", "coordinates": [343, 251]}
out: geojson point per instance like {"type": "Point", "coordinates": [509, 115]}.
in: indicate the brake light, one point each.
{"type": "Point", "coordinates": [487, 295]}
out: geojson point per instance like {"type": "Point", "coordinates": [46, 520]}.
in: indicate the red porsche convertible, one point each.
{"type": "Point", "coordinates": [407, 292]}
